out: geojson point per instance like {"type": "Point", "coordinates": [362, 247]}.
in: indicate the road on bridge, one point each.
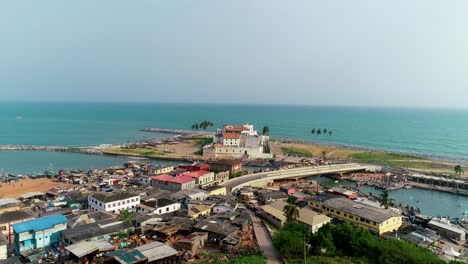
{"type": "Point", "coordinates": [292, 173]}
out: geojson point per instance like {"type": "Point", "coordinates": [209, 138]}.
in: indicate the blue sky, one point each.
{"type": "Point", "coordinates": [368, 53]}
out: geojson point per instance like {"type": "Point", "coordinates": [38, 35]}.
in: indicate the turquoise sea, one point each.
{"type": "Point", "coordinates": [437, 132]}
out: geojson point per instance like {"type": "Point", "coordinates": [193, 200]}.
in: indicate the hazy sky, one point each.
{"type": "Point", "coordinates": [389, 53]}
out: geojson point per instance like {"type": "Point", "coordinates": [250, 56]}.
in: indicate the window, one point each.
{"type": "Point", "coordinates": [133, 200]}
{"type": "Point", "coordinates": [362, 219]}
{"type": "Point", "coordinates": [338, 212]}
{"type": "Point", "coordinates": [351, 217]}
{"type": "Point", "coordinates": [113, 205]}
{"type": "Point", "coordinates": [367, 221]}
{"type": "Point", "coordinates": [100, 204]}
{"type": "Point", "coordinates": [345, 215]}
{"type": "Point", "coordinates": [332, 210]}
{"type": "Point", "coordinates": [118, 203]}
{"type": "Point", "coordinates": [159, 210]}
{"type": "Point", "coordinates": [167, 209]}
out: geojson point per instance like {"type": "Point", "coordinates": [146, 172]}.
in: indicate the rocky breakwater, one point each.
{"type": "Point", "coordinates": [176, 131]}
{"type": "Point", "coordinates": [84, 150]}
{"type": "Point", "coordinates": [31, 147]}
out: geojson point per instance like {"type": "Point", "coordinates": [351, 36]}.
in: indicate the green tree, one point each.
{"type": "Point", "coordinates": [324, 155]}
{"type": "Point", "coordinates": [291, 210]}
{"type": "Point", "coordinates": [289, 240]}
{"type": "Point", "coordinates": [312, 131]}
{"type": "Point", "coordinates": [266, 131]}
{"type": "Point", "coordinates": [385, 199]}
{"type": "Point", "coordinates": [319, 131]}
{"type": "Point", "coordinates": [330, 132]}
{"type": "Point", "coordinates": [325, 131]}
{"type": "Point", "coordinates": [125, 216]}
{"type": "Point", "coordinates": [458, 170]}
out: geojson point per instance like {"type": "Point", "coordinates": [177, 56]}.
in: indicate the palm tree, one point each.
{"type": "Point", "coordinates": [319, 131]}
{"type": "Point", "coordinates": [196, 126]}
{"type": "Point", "coordinates": [291, 210]}
{"type": "Point", "coordinates": [329, 132]}
{"type": "Point", "coordinates": [458, 170]}
{"type": "Point", "coordinates": [313, 131]}
{"type": "Point", "coordinates": [266, 131]}
{"type": "Point", "coordinates": [125, 216]}
{"type": "Point", "coordinates": [385, 199]}
{"type": "Point", "coordinates": [324, 155]}
{"type": "Point", "coordinates": [324, 130]}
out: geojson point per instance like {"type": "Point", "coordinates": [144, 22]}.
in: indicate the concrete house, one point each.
{"type": "Point", "coordinates": [377, 220]}
{"type": "Point", "coordinates": [38, 233]}
{"type": "Point", "coordinates": [202, 177]}
{"type": "Point", "coordinates": [226, 206]}
{"type": "Point", "coordinates": [159, 206]}
{"type": "Point", "coordinates": [173, 183]}
{"type": "Point", "coordinates": [7, 219]}
{"type": "Point", "coordinates": [113, 202]}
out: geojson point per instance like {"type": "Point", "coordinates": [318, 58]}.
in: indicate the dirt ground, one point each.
{"type": "Point", "coordinates": [16, 189]}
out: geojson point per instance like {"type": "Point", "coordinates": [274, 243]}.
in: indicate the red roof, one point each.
{"type": "Point", "coordinates": [196, 174]}
{"type": "Point", "coordinates": [231, 136]}
{"type": "Point", "coordinates": [176, 179]}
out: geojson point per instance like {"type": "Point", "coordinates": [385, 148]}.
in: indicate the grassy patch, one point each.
{"type": "Point", "coordinates": [134, 151]}
{"type": "Point", "coordinates": [330, 260]}
{"type": "Point", "coordinates": [202, 142]}
{"type": "Point", "coordinates": [296, 152]}
{"type": "Point", "coordinates": [381, 156]}
{"type": "Point", "coordinates": [250, 259]}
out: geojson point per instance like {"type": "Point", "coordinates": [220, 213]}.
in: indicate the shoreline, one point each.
{"type": "Point", "coordinates": [175, 134]}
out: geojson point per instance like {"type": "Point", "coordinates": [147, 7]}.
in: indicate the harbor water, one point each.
{"type": "Point", "coordinates": [434, 203]}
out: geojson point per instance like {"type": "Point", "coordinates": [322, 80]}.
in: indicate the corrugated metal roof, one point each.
{"type": "Point", "coordinates": [156, 251]}
{"type": "Point", "coordinates": [86, 247]}
{"type": "Point", "coordinates": [38, 224]}
{"type": "Point", "coordinates": [127, 257]}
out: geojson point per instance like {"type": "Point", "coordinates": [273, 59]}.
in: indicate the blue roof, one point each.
{"type": "Point", "coordinates": [38, 224]}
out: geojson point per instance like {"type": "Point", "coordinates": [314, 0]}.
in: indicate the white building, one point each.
{"type": "Point", "coordinates": [227, 206]}
{"type": "Point", "coordinates": [113, 202]}
{"type": "Point", "coordinates": [237, 142]}
{"type": "Point", "coordinates": [159, 206]}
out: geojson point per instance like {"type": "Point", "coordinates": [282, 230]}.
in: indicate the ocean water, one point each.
{"type": "Point", "coordinates": [37, 161]}
{"type": "Point", "coordinates": [437, 132]}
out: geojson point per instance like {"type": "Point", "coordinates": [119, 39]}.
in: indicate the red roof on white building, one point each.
{"type": "Point", "coordinates": [197, 174]}
{"type": "Point", "coordinates": [177, 179]}
{"type": "Point", "coordinates": [231, 136]}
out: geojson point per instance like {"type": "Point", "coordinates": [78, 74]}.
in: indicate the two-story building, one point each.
{"type": "Point", "coordinates": [184, 197]}
{"type": "Point", "coordinates": [274, 214]}
{"type": "Point", "coordinates": [38, 233]}
{"type": "Point", "coordinates": [173, 183]}
{"type": "Point", "coordinates": [159, 206]}
{"type": "Point", "coordinates": [159, 169]}
{"type": "Point", "coordinates": [7, 219]}
{"type": "Point", "coordinates": [377, 220]}
{"type": "Point", "coordinates": [113, 202]}
{"type": "Point", "coordinates": [202, 177]}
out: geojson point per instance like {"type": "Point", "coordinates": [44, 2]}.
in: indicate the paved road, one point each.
{"type": "Point", "coordinates": [292, 173]}
{"type": "Point", "coordinates": [265, 243]}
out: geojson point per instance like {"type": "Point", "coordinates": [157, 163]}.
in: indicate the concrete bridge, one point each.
{"type": "Point", "coordinates": [263, 178]}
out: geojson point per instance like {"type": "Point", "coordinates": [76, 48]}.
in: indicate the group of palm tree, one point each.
{"type": "Point", "coordinates": [320, 131]}
{"type": "Point", "coordinates": [202, 125]}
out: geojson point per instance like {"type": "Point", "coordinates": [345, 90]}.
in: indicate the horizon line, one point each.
{"type": "Point", "coordinates": [416, 107]}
